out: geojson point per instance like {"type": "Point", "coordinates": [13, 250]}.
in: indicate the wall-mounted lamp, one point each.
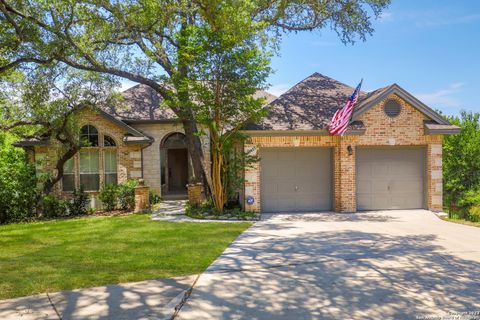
{"type": "Point", "coordinates": [350, 150]}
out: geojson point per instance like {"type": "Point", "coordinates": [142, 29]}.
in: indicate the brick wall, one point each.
{"type": "Point", "coordinates": [406, 129]}
{"type": "Point", "coordinates": [128, 156]}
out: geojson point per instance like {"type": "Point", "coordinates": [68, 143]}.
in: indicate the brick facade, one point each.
{"type": "Point", "coordinates": [407, 129]}
{"type": "Point", "coordinates": [128, 155]}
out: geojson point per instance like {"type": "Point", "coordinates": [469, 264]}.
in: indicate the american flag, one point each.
{"type": "Point", "coordinates": [342, 117]}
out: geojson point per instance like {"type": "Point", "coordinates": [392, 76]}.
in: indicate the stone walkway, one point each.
{"type": "Point", "coordinates": [152, 299]}
{"type": "Point", "coordinates": [174, 211]}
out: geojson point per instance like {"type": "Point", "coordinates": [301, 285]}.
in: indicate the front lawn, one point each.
{"type": "Point", "coordinates": [58, 255]}
{"type": "Point", "coordinates": [461, 221]}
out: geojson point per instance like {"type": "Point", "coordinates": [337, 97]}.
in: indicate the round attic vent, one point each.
{"type": "Point", "coordinates": [392, 108]}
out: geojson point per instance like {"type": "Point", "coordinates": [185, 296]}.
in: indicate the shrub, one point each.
{"type": "Point", "coordinates": [18, 193]}
{"type": "Point", "coordinates": [153, 197]}
{"type": "Point", "coordinates": [53, 207]}
{"type": "Point", "coordinates": [78, 205]}
{"type": "Point", "coordinates": [109, 196]}
{"type": "Point", "coordinates": [474, 214]}
{"type": "Point", "coordinates": [126, 194]}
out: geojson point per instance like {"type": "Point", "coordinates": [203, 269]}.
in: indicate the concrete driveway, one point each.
{"type": "Point", "coordinates": [373, 265]}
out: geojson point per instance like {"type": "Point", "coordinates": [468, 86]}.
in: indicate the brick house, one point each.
{"type": "Point", "coordinates": [390, 158]}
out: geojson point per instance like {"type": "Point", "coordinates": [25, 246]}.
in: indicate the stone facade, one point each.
{"type": "Point", "coordinates": [151, 154]}
{"type": "Point", "coordinates": [407, 129]}
{"type": "Point", "coordinates": [128, 155]}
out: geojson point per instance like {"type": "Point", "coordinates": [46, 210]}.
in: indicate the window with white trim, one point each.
{"type": "Point", "coordinates": [110, 167]}
{"type": "Point", "coordinates": [68, 179]}
{"type": "Point", "coordinates": [89, 169]}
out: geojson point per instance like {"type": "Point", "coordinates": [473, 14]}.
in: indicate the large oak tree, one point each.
{"type": "Point", "coordinates": [148, 41]}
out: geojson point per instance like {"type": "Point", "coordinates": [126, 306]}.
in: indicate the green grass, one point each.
{"type": "Point", "coordinates": [59, 255]}
{"type": "Point", "coordinates": [461, 221]}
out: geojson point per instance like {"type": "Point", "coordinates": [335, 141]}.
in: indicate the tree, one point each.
{"type": "Point", "coordinates": [461, 165]}
{"type": "Point", "coordinates": [147, 41]}
{"type": "Point", "coordinates": [41, 103]}
{"type": "Point", "coordinates": [227, 71]}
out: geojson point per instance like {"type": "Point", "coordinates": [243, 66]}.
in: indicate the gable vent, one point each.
{"type": "Point", "coordinates": [392, 108]}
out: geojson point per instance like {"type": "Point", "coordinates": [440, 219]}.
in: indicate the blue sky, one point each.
{"type": "Point", "coordinates": [428, 47]}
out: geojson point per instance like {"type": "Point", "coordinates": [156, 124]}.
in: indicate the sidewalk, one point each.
{"type": "Point", "coordinates": [151, 299]}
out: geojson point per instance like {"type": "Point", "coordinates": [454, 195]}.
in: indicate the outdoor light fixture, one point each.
{"type": "Point", "coordinates": [350, 150]}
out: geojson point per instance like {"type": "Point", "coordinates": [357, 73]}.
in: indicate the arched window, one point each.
{"type": "Point", "coordinates": [108, 141]}
{"type": "Point", "coordinates": [89, 136]}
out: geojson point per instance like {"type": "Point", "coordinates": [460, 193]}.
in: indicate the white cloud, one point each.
{"type": "Point", "coordinates": [385, 16]}
{"type": "Point", "coordinates": [279, 89]}
{"type": "Point", "coordinates": [443, 97]}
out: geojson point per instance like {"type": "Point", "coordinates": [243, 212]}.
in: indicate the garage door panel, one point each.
{"type": "Point", "coordinates": [390, 178]}
{"type": "Point", "coordinates": [364, 186]}
{"type": "Point", "coordinates": [301, 180]}
{"type": "Point", "coordinates": [379, 170]}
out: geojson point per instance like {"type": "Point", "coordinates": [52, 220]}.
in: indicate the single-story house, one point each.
{"type": "Point", "coordinates": [390, 157]}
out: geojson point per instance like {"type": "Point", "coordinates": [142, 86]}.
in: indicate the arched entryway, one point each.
{"type": "Point", "coordinates": [174, 164]}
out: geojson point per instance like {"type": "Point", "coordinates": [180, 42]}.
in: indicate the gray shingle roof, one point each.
{"type": "Point", "coordinates": [309, 105]}
{"type": "Point", "coordinates": [142, 103]}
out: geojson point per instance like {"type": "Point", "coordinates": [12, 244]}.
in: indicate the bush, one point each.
{"type": "Point", "coordinates": [109, 196]}
{"type": "Point", "coordinates": [206, 210]}
{"type": "Point", "coordinates": [53, 207]}
{"type": "Point", "coordinates": [154, 198]}
{"type": "Point", "coordinates": [18, 193]}
{"type": "Point", "coordinates": [126, 194]}
{"type": "Point", "coordinates": [474, 214]}
{"type": "Point", "coordinates": [78, 205]}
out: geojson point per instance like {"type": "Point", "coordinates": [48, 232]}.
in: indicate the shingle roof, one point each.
{"type": "Point", "coordinates": [142, 103]}
{"type": "Point", "coordinates": [309, 105]}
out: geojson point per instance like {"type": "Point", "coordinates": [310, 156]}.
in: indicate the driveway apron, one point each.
{"type": "Point", "coordinates": [404, 264]}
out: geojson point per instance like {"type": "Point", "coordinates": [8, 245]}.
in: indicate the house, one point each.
{"type": "Point", "coordinates": [390, 157]}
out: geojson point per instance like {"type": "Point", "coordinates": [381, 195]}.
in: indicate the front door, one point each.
{"type": "Point", "coordinates": [177, 170]}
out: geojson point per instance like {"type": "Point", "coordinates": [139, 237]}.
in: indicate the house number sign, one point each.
{"type": "Point", "coordinates": [250, 200]}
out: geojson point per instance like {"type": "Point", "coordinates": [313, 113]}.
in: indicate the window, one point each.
{"type": "Point", "coordinates": [108, 141]}
{"type": "Point", "coordinates": [68, 179]}
{"type": "Point", "coordinates": [110, 166]}
{"type": "Point", "coordinates": [89, 175]}
{"type": "Point", "coordinates": [89, 136]}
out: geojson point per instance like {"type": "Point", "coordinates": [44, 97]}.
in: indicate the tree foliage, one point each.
{"type": "Point", "coordinates": [461, 162]}
{"type": "Point", "coordinates": [41, 103]}
{"type": "Point", "coordinates": [17, 183]}
{"type": "Point", "coordinates": [148, 41]}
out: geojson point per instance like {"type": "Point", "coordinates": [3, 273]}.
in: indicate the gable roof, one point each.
{"type": "Point", "coordinates": [375, 97]}
{"type": "Point", "coordinates": [141, 103]}
{"type": "Point", "coordinates": [311, 103]}
{"type": "Point", "coordinates": [308, 105]}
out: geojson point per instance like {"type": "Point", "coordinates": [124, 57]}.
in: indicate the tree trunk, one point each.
{"type": "Point", "coordinates": [195, 151]}
{"type": "Point", "coordinates": [218, 191]}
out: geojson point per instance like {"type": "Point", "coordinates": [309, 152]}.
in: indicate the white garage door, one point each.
{"type": "Point", "coordinates": [296, 179]}
{"type": "Point", "coordinates": [390, 178]}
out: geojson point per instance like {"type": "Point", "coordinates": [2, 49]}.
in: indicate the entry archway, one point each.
{"type": "Point", "coordinates": [174, 164]}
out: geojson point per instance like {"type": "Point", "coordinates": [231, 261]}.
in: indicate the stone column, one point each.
{"type": "Point", "coordinates": [195, 194]}
{"type": "Point", "coordinates": [142, 200]}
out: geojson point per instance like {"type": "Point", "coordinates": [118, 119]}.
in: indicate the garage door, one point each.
{"type": "Point", "coordinates": [296, 179]}
{"type": "Point", "coordinates": [390, 178]}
